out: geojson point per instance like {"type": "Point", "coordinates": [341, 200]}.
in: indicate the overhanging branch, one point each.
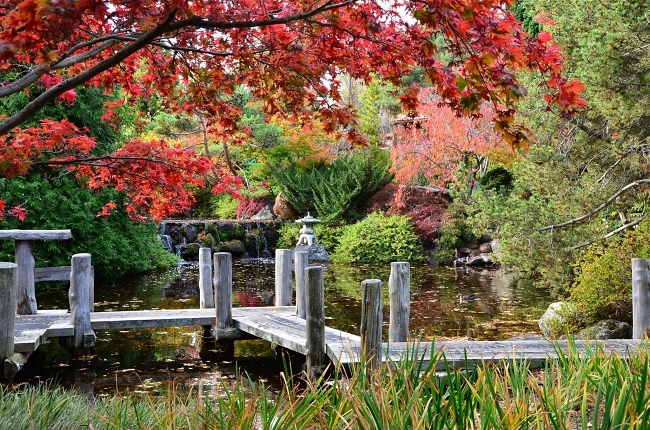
{"type": "Point", "coordinates": [598, 209]}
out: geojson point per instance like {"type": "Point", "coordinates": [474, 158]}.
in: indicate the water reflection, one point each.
{"type": "Point", "coordinates": [143, 360]}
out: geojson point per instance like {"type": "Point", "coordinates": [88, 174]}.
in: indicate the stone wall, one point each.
{"type": "Point", "coordinates": [242, 238]}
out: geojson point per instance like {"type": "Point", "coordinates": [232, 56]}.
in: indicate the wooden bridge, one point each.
{"type": "Point", "coordinates": [298, 328]}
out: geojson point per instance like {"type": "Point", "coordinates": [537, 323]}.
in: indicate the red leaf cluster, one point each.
{"type": "Point", "coordinates": [248, 207]}
{"type": "Point", "coordinates": [191, 55]}
{"type": "Point", "coordinates": [425, 207]}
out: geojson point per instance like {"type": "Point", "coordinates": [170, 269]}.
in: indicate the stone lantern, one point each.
{"type": "Point", "coordinates": [308, 242]}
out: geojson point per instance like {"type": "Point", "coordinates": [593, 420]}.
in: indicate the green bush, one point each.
{"type": "Point", "coordinates": [379, 239]}
{"type": "Point", "coordinates": [118, 245]}
{"type": "Point", "coordinates": [603, 282]}
{"type": "Point", "coordinates": [327, 235]}
{"type": "Point", "coordinates": [211, 206]}
{"type": "Point", "coordinates": [341, 189]}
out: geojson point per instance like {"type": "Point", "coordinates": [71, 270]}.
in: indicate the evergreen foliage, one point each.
{"type": "Point", "coordinates": [337, 190]}
{"type": "Point", "coordinates": [118, 245]}
{"type": "Point", "coordinates": [603, 282]}
{"type": "Point", "coordinates": [379, 239]}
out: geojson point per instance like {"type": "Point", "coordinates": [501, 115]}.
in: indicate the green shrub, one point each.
{"type": "Point", "coordinates": [118, 245]}
{"type": "Point", "coordinates": [379, 239]}
{"type": "Point", "coordinates": [603, 282]}
{"type": "Point", "coordinates": [327, 235]}
{"type": "Point", "coordinates": [337, 190]}
{"type": "Point", "coordinates": [211, 206]}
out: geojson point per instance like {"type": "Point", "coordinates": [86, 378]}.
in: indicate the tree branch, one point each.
{"type": "Point", "coordinates": [611, 233]}
{"type": "Point", "coordinates": [199, 22]}
{"type": "Point", "coordinates": [35, 105]}
{"type": "Point", "coordinates": [598, 209]}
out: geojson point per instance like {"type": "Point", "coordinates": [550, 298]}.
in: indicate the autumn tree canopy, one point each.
{"type": "Point", "coordinates": [289, 54]}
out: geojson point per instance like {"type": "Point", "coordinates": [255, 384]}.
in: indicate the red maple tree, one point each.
{"type": "Point", "coordinates": [289, 53]}
{"type": "Point", "coordinates": [433, 148]}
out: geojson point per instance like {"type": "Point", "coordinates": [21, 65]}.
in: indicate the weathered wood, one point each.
{"type": "Point", "coordinates": [301, 262]}
{"type": "Point", "coordinates": [8, 295]}
{"type": "Point", "coordinates": [315, 321]}
{"type": "Point", "coordinates": [399, 290]}
{"type": "Point", "coordinates": [640, 297]}
{"type": "Point", "coordinates": [223, 289]}
{"type": "Point", "coordinates": [206, 295]}
{"type": "Point", "coordinates": [61, 273]}
{"type": "Point", "coordinates": [26, 290]}
{"type": "Point", "coordinates": [79, 296]}
{"type": "Point", "coordinates": [35, 234]}
{"type": "Point", "coordinates": [283, 287]}
{"type": "Point", "coordinates": [371, 321]}
{"type": "Point", "coordinates": [476, 353]}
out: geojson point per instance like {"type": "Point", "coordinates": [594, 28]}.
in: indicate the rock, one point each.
{"type": "Point", "coordinates": [235, 247]}
{"type": "Point", "coordinates": [485, 248]}
{"type": "Point", "coordinates": [283, 209]}
{"type": "Point", "coordinates": [494, 245]}
{"type": "Point", "coordinates": [263, 215]}
{"type": "Point", "coordinates": [551, 323]}
{"type": "Point", "coordinates": [607, 329]}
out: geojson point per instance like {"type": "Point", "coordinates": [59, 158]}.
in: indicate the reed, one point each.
{"type": "Point", "coordinates": [592, 390]}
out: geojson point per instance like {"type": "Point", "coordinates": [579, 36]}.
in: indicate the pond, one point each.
{"type": "Point", "coordinates": [146, 360]}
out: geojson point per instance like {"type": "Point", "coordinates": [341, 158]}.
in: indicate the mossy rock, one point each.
{"type": "Point", "coordinates": [235, 247]}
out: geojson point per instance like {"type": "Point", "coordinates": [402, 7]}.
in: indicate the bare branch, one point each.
{"type": "Point", "coordinates": [598, 209]}
{"type": "Point", "coordinates": [611, 233]}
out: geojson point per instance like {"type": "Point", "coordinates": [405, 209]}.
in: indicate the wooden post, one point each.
{"type": "Point", "coordinates": [371, 321]}
{"type": "Point", "coordinates": [205, 279]}
{"type": "Point", "coordinates": [8, 299]}
{"type": "Point", "coordinates": [399, 290]}
{"type": "Point", "coordinates": [640, 298]}
{"type": "Point", "coordinates": [79, 295]}
{"type": "Point", "coordinates": [283, 288]}
{"type": "Point", "coordinates": [315, 321]}
{"type": "Point", "coordinates": [222, 291]}
{"type": "Point", "coordinates": [26, 291]}
{"type": "Point", "coordinates": [301, 262]}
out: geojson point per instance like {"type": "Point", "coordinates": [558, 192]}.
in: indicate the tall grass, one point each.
{"type": "Point", "coordinates": [592, 390]}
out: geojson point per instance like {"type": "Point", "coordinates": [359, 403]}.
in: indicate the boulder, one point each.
{"type": "Point", "coordinates": [263, 215]}
{"type": "Point", "coordinates": [485, 248]}
{"type": "Point", "coordinates": [284, 209]}
{"type": "Point", "coordinates": [235, 247]}
{"type": "Point", "coordinates": [552, 323]}
{"type": "Point", "coordinates": [607, 329]}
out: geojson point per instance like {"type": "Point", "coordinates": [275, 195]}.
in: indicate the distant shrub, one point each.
{"type": "Point", "coordinates": [497, 179]}
{"type": "Point", "coordinates": [214, 206]}
{"type": "Point", "coordinates": [340, 189]}
{"type": "Point", "coordinates": [603, 282]}
{"type": "Point", "coordinates": [118, 245]}
{"type": "Point", "coordinates": [423, 206]}
{"type": "Point", "coordinates": [249, 206]}
{"type": "Point", "coordinates": [379, 239]}
{"type": "Point", "coordinates": [327, 235]}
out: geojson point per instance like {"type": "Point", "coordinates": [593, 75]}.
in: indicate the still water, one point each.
{"type": "Point", "coordinates": [146, 360]}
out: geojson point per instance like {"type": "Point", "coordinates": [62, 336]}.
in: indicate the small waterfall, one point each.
{"type": "Point", "coordinates": [166, 242]}
{"type": "Point", "coordinates": [179, 248]}
{"type": "Point", "coordinates": [266, 252]}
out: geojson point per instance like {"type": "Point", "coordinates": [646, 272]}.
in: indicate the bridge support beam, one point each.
{"type": "Point", "coordinates": [315, 321]}
{"type": "Point", "coordinates": [399, 290]}
{"type": "Point", "coordinates": [301, 262]}
{"type": "Point", "coordinates": [81, 296]}
{"type": "Point", "coordinates": [371, 321]}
